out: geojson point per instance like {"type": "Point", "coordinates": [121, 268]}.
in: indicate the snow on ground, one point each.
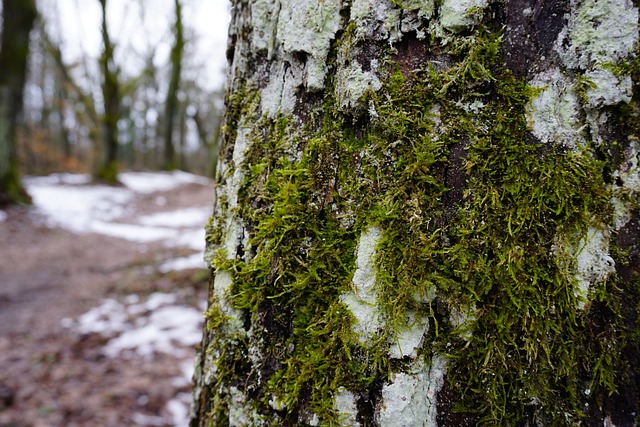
{"type": "Point", "coordinates": [158, 325]}
{"type": "Point", "coordinates": [149, 182]}
{"type": "Point", "coordinates": [134, 326]}
{"type": "Point", "coordinates": [69, 201]}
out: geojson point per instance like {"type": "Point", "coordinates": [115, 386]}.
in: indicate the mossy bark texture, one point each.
{"type": "Point", "coordinates": [18, 18]}
{"type": "Point", "coordinates": [108, 168]}
{"type": "Point", "coordinates": [426, 214]}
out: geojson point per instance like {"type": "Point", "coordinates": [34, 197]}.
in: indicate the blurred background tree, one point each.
{"type": "Point", "coordinates": [119, 88]}
{"type": "Point", "coordinates": [18, 18]}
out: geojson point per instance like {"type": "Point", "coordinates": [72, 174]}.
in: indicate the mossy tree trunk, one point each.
{"type": "Point", "coordinates": [112, 100]}
{"type": "Point", "coordinates": [426, 214]}
{"type": "Point", "coordinates": [18, 17]}
{"type": "Point", "coordinates": [170, 161]}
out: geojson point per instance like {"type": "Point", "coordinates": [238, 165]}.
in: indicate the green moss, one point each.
{"type": "Point", "coordinates": [471, 210]}
{"type": "Point", "coordinates": [108, 173]}
{"type": "Point", "coordinates": [11, 189]}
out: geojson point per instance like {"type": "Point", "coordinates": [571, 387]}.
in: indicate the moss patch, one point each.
{"type": "Point", "coordinates": [473, 212]}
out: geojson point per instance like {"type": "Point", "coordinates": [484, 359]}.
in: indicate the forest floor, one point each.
{"type": "Point", "coordinates": [98, 325]}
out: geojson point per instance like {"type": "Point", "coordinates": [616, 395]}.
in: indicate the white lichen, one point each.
{"type": "Point", "coordinates": [280, 93]}
{"type": "Point", "coordinates": [554, 114]}
{"type": "Point", "coordinates": [263, 21]}
{"type": "Point", "coordinates": [352, 83]}
{"type": "Point", "coordinates": [256, 354]}
{"type": "Point", "coordinates": [598, 32]}
{"type": "Point", "coordinates": [410, 399]}
{"type": "Point", "coordinates": [300, 35]}
{"type": "Point", "coordinates": [309, 27]}
{"type": "Point", "coordinates": [627, 185]}
{"type": "Point", "coordinates": [424, 8]}
{"type": "Point", "coordinates": [409, 338]}
{"type": "Point", "coordinates": [346, 407]}
{"type": "Point", "coordinates": [277, 404]}
{"type": "Point", "coordinates": [606, 88]}
{"type": "Point", "coordinates": [362, 300]}
{"type": "Point", "coordinates": [241, 413]}
{"type": "Point", "coordinates": [376, 20]}
{"type": "Point", "coordinates": [221, 290]}
{"type": "Point", "coordinates": [608, 422]}
{"type": "Point", "coordinates": [309, 418]}
{"type": "Point", "coordinates": [593, 264]}
{"type": "Point", "coordinates": [458, 15]}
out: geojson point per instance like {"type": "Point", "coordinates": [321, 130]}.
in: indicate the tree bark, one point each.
{"type": "Point", "coordinates": [171, 103]}
{"type": "Point", "coordinates": [18, 18]}
{"type": "Point", "coordinates": [426, 214]}
{"type": "Point", "coordinates": [108, 169]}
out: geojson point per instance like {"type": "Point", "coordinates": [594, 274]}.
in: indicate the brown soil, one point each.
{"type": "Point", "coordinates": [53, 376]}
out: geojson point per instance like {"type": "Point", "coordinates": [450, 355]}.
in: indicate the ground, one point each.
{"type": "Point", "coordinates": [57, 371]}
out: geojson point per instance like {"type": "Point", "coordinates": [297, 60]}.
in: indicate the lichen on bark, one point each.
{"type": "Point", "coordinates": [414, 227]}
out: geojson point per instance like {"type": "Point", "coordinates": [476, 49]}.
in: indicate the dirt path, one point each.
{"type": "Point", "coordinates": [52, 375]}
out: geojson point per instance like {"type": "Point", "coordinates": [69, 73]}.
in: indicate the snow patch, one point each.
{"type": "Point", "coordinates": [77, 208]}
{"type": "Point", "coordinates": [185, 263]}
{"type": "Point", "coordinates": [189, 217]}
{"type": "Point", "coordinates": [178, 408]}
{"type": "Point", "coordinates": [70, 202]}
{"type": "Point", "coordinates": [147, 420]}
{"type": "Point", "coordinates": [132, 232]}
{"type": "Point", "coordinates": [410, 399]}
{"type": "Point", "coordinates": [362, 300]}
{"type": "Point", "coordinates": [59, 179]}
{"type": "Point", "coordinates": [151, 182]}
{"type": "Point", "coordinates": [159, 325]}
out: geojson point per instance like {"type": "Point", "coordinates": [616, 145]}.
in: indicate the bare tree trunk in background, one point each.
{"type": "Point", "coordinates": [171, 103]}
{"type": "Point", "coordinates": [66, 85]}
{"type": "Point", "coordinates": [18, 18]}
{"type": "Point", "coordinates": [63, 133]}
{"type": "Point", "coordinates": [182, 115]}
{"type": "Point", "coordinates": [210, 142]}
{"type": "Point", "coordinates": [108, 169]}
{"type": "Point", "coordinates": [427, 214]}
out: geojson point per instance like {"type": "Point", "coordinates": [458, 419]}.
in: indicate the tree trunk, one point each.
{"type": "Point", "coordinates": [427, 214]}
{"type": "Point", "coordinates": [108, 170]}
{"type": "Point", "coordinates": [18, 17]}
{"type": "Point", "coordinates": [171, 103]}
